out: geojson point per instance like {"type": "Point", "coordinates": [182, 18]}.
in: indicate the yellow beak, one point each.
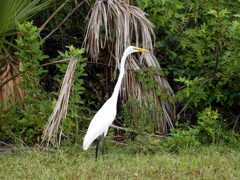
{"type": "Point", "coordinates": [140, 49]}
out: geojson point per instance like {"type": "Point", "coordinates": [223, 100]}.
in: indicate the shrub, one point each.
{"type": "Point", "coordinates": [210, 129]}
{"type": "Point", "coordinates": [198, 48]}
{"type": "Point", "coordinates": [24, 120]}
{"type": "Point", "coordinates": [140, 125]}
{"type": "Point", "coordinates": [213, 129]}
{"type": "Point", "coordinates": [182, 139]}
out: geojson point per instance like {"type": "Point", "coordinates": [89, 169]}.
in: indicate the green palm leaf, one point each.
{"type": "Point", "coordinates": [13, 12]}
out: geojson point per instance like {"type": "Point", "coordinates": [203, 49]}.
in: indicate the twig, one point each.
{"type": "Point", "coordinates": [120, 143]}
{"type": "Point", "coordinates": [31, 68]}
{"type": "Point", "coordinates": [1, 142]}
{"type": "Point", "coordinates": [41, 28]}
{"type": "Point", "coordinates": [46, 149]}
{"type": "Point", "coordinates": [12, 148]}
{"type": "Point", "coordinates": [235, 124]}
{"type": "Point", "coordinates": [74, 9]}
{"type": "Point", "coordinates": [47, 64]}
{"type": "Point", "coordinates": [192, 97]}
{"type": "Point", "coordinates": [164, 136]}
{"type": "Point", "coordinates": [124, 129]}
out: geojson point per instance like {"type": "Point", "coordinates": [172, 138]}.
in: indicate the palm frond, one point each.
{"type": "Point", "coordinates": [113, 26]}
{"type": "Point", "coordinates": [13, 12]}
{"type": "Point", "coordinates": [51, 132]}
{"type": "Point", "coordinates": [10, 91]}
{"type": "Point", "coordinates": [131, 86]}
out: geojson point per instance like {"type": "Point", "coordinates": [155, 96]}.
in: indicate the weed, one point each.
{"type": "Point", "coordinates": [212, 162]}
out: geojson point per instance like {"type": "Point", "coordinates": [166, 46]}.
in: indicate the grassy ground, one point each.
{"type": "Point", "coordinates": [203, 163]}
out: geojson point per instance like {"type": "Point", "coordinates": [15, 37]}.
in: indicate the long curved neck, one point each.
{"type": "Point", "coordinates": [119, 81]}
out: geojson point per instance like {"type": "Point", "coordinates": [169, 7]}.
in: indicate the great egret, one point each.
{"type": "Point", "coordinates": [106, 115]}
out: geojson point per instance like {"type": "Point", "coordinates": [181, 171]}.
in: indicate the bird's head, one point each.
{"type": "Point", "coordinates": [132, 49]}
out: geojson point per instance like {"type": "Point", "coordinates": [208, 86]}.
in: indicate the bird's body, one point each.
{"type": "Point", "coordinates": [97, 127]}
{"type": "Point", "coordinates": [106, 115]}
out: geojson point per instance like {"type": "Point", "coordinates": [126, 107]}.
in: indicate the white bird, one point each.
{"type": "Point", "coordinates": [106, 115]}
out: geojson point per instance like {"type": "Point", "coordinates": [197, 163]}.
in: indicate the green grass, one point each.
{"type": "Point", "coordinates": [212, 162]}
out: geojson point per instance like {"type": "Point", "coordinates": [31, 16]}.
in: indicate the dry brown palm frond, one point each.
{"type": "Point", "coordinates": [10, 91]}
{"type": "Point", "coordinates": [51, 132]}
{"type": "Point", "coordinates": [133, 87]}
{"type": "Point", "coordinates": [113, 26]}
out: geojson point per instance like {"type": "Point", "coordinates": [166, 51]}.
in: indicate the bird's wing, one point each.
{"type": "Point", "coordinates": [100, 122]}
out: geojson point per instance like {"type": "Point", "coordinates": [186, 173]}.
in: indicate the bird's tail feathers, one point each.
{"type": "Point", "coordinates": [88, 139]}
{"type": "Point", "coordinates": [86, 144]}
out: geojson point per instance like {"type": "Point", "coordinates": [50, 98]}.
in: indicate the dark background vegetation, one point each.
{"type": "Point", "coordinates": [198, 47]}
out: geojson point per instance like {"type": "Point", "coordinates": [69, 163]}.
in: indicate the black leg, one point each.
{"type": "Point", "coordinates": [104, 138]}
{"type": "Point", "coordinates": [96, 155]}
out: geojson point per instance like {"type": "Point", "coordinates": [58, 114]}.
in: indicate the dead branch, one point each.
{"type": "Point", "coordinates": [74, 9]}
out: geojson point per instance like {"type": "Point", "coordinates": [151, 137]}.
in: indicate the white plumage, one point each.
{"type": "Point", "coordinates": [100, 123]}
{"type": "Point", "coordinates": [106, 115]}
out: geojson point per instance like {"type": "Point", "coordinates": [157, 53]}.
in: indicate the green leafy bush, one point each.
{"type": "Point", "coordinates": [210, 129]}
{"type": "Point", "coordinates": [213, 129]}
{"type": "Point", "coordinates": [141, 121]}
{"type": "Point", "coordinates": [182, 139]}
{"type": "Point", "coordinates": [24, 121]}
{"type": "Point", "coordinates": [198, 48]}
{"type": "Point", "coordinates": [140, 125]}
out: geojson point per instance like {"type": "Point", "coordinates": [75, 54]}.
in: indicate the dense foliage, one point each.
{"type": "Point", "coordinates": [197, 45]}
{"type": "Point", "coordinates": [23, 121]}
{"type": "Point", "coordinates": [198, 48]}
